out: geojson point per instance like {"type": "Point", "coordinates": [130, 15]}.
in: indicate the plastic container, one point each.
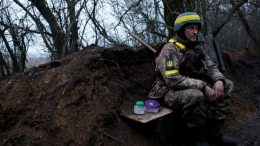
{"type": "Point", "coordinates": [152, 106]}
{"type": "Point", "coordinates": [139, 108]}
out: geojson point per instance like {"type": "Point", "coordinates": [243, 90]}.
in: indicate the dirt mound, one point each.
{"type": "Point", "coordinates": [244, 69]}
{"type": "Point", "coordinates": [242, 122]}
{"type": "Point", "coordinates": [71, 101]}
{"type": "Point", "coordinates": [77, 100]}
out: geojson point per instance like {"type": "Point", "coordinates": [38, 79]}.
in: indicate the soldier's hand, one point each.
{"type": "Point", "coordinates": [210, 94]}
{"type": "Point", "coordinates": [219, 89]}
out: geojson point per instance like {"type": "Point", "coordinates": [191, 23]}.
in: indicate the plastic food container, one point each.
{"type": "Point", "coordinates": [139, 108]}
{"type": "Point", "coordinates": [152, 106]}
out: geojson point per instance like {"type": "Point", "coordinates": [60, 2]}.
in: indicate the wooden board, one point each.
{"type": "Point", "coordinates": [147, 117]}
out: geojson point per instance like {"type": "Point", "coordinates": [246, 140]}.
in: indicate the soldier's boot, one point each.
{"type": "Point", "coordinates": [195, 137]}
{"type": "Point", "coordinates": [213, 135]}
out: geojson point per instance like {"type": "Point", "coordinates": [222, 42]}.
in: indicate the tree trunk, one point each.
{"type": "Point", "coordinates": [17, 44]}
{"type": "Point", "coordinates": [204, 17]}
{"type": "Point", "coordinates": [23, 55]}
{"type": "Point", "coordinates": [190, 5]}
{"type": "Point", "coordinates": [3, 63]}
{"type": "Point", "coordinates": [170, 18]}
{"type": "Point", "coordinates": [74, 30]}
{"type": "Point", "coordinates": [2, 71]}
{"type": "Point", "coordinates": [179, 6]}
{"type": "Point", "coordinates": [227, 17]}
{"type": "Point", "coordinates": [57, 35]}
{"type": "Point", "coordinates": [155, 24]}
{"type": "Point", "coordinates": [254, 37]}
{"type": "Point", "coordinates": [16, 67]}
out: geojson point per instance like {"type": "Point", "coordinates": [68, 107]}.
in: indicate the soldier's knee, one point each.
{"type": "Point", "coordinates": [196, 95]}
{"type": "Point", "coordinates": [229, 83]}
{"type": "Point", "coordinates": [229, 86]}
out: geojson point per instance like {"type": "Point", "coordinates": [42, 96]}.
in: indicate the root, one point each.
{"type": "Point", "coordinates": [116, 115]}
{"type": "Point", "coordinates": [111, 61]}
{"type": "Point", "coordinates": [113, 137]}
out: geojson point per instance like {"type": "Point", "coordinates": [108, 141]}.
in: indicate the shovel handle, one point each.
{"type": "Point", "coordinates": [141, 41]}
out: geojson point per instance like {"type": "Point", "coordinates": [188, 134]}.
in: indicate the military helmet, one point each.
{"type": "Point", "coordinates": [186, 18]}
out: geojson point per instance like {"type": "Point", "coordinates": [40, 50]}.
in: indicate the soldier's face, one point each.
{"type": "Point", "coordinates": [191, 32]}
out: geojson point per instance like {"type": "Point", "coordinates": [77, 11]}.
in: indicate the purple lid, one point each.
{"type": "Point", "coordinates": [152, 103]}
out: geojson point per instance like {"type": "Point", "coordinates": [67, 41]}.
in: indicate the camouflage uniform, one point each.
{"type": "Point", "coordinates": [182, 91]}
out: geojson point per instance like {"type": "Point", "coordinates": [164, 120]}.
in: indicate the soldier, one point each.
{"type": "Point", "coordinates": [188, 80]}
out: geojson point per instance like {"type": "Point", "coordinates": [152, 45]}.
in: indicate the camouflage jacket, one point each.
{"type": "Point", "coordinates": [174, 72]}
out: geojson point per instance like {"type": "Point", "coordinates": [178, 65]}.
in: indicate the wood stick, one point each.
{"type": "Point", "coordinates": [176, 13]}
{"type": "Point", "coordinates": [113, 137]}
{"type": "Point", "coordinates": [141, 41]}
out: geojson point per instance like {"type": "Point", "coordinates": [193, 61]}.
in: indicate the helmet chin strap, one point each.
{"type": "Point", "coordinates": [182, 35]}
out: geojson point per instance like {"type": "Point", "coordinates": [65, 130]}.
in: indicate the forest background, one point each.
{"type": "Point", "coordinates": [62, 27]}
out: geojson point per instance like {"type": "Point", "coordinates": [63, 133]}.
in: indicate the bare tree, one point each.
{"type": "Point", "coordinates": [253, 35]}
{"type": "Point", "coordinates": [227, 17]}
{"type": "Point", "coordinates": [14, 43]}
{"type": "Point", "coordinates": [60, 45]}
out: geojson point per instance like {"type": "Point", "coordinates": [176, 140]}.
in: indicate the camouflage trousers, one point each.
{"type": "Point", "coordinates": [196, 107]}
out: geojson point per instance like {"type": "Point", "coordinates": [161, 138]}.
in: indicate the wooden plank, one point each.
{"type": "Point", "coordinates": [147, 117]}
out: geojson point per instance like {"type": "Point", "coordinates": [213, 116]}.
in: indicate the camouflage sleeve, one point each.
{"type": "Point", "coordinates": [175, 80]}
{"type": "Point", "coordinates": [213, 73]}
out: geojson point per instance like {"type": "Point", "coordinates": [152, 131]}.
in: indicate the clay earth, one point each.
{"type": "Point", "coordinates": [77, 100]}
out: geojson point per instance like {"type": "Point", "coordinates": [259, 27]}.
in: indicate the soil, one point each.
{"type": "Point", "coordinates": [77, 100]}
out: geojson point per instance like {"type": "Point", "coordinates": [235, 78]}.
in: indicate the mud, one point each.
{"type": "Point", "coordinates": [77, 100]}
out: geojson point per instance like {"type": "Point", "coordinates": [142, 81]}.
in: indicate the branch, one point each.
{"type": "Point", "coordinates": [38, 24]}
{"type": "Point", "coordinates": [101, 30]}
{"type": "Point", "coordinates": [253, 4]}
{"type": "Point", "coordinates": [46, 13]}
{"type": "Point", "coordinates": [113, 62]}
{"type": "Point", "coordinates": [161, 13]}
{"type": "Point", "coordinates": [146, 16]}
{"type": "Point", "coordinates": [7, 45]}
{"type": "Point", "coordinates": [22, 28]}
{"type": "Point", "coordinates": [247, 27]}
{"type": "Point", "coordinates": [227, 17]}
{"type": "Point", "coordinates": [159, 34]}
{"type": "Point", "coordinates": [127, 11]}
{"type": "Point", "coordinates": [83, 32]}
{"type": "Point", "coordinates": [168, 5]}
{"type": "Point", "coordinates": [69, 30]}
{"type": "Point", "coordinates": [176, 13]}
